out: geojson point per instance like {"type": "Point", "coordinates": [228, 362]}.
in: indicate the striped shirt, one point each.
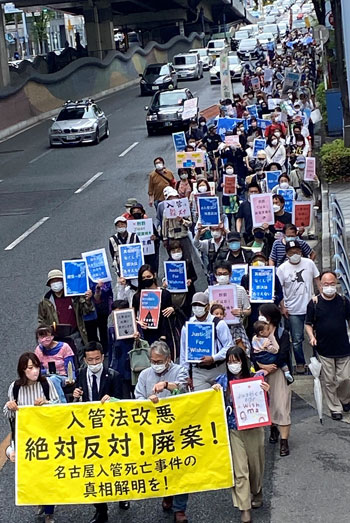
{"type": "Point", "coordinates": [278, 251]}
{"type": "Point", "coordinates": [27, 395]}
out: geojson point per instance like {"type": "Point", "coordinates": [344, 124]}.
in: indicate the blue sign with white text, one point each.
{"type": "Point", "coordinates": [175, 274]}
{"type": "Point", "coordinates": [272, 179]}
{"type": "Point", "coordinates": [209, 212]}
{"type": "Point", "coordinates": [227, 124]}
{"type": "Point", "coordinates": [259, 145]}
{"type": "Point", "coordinates": [261, 284]}
{"type": "Point", "coordinates": [75, 277]}
{"type": "Point", "coordinates": [238, 271]}
{"type": "Point", "coordinates": [179, 140]}
{"type": "Point", "coordinates": [199, 340]}
{"type": "Point", "coordinates": [131, 259]}
{"type": "Point", "coordinates": [288, 195]}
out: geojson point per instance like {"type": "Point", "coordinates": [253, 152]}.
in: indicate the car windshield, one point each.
{"type": "Point", "coordinates": [270, 28]}
{"type": "Point", "coordinates": [266, 36]}
{"type": "Point", "coordinates": [217, 44]}
{"type": "Point", "coordinates": [201, 52]}
{"type": "Point", "coordinates": [75, 113]}
{"type": "Point", "coordinates": [248, 43]}
{"type": "Point", "coordinates": [184, 60]}
{"type": "Point", "coordinates": [233, 60]}
{"type": "Point", "coordinates": [157, 70]}
{"type": "Point", "coordinates": [169, 98]}
{"type": "Point", "coordinates": [242, 34]}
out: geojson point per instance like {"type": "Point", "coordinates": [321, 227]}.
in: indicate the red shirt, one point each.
{"type": "Point", "coordinates": [65, 311]}
{"type": "Point", "coordinates": [270, 129]}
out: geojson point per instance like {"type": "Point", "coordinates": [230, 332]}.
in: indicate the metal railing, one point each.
{"type": "Point", "coordinates": [340, 244]}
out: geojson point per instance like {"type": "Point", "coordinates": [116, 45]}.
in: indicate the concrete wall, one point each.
{"type": "Point", "coordinates": [40, 94]}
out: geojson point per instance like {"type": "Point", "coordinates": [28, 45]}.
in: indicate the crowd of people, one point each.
{"type": "Point", "coordinates": [77, 355]}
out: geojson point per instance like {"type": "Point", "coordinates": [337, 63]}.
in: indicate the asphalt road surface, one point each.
{"type": "Point", "coordinates": [38, 188]}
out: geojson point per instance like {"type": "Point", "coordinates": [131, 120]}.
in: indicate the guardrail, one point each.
{"type": "Point", "coordinates": [340, 244]}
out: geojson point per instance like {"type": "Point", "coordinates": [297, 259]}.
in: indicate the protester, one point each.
{"type": "Point", "coordinates": [122, 237]}
{"type": "Point", "coordinates": [160, 178]}
{"type": "Point", "coordinates": [278, 251]}
{"type": "Point", "coordinates": [244, 214]}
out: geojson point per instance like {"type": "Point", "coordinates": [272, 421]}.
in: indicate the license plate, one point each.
{"type": "Point", "coordinates": [155, 88]}
{"type": "Point", "coordinates": [70, 138]}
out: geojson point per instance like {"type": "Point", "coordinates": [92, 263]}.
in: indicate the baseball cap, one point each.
{"type": "Point", "coordinates": [55, 273]}
{"type": "Point", "coordinates": [201, 298]}
{"type": "Point", "coordinates": [171, 192]}
{"type": "Point", "coordinates": [130, 202]}
{"type": "Point", "coordinates": [233, 236]}
{"type": "Point", "coordinates": [300, 159]}
{"type": "Point", "coordinates": [121, 219]}
{"type": "Point", "coordinates": [293, 244]}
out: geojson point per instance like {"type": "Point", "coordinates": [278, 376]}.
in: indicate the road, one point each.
{"type": "Point", "coordinates": [38, 187]}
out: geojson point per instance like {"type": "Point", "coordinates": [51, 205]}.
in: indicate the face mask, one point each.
{"type": "Point", "coordinates": [234, 368]}
{"type": "Point", "coordinates": [224, 279]}
{"type": "Point", "coordinates": [260, 164]}
{"type": "Point", "coordinates": [159, 166]}
{"type": "Point", "coordinates": [198, 311]}
{"type": "Point", "coordinates": [95, 368]}
{"type": "Point", "coordinates": [234, 246]}
{"type": "Point", "coordinates": [121, 230]}
{"type": "Point", "coordinates": [274, 142]}
{"type": "Point", "coordinates": [202, 189]}
{"type": "Point", "coordinates": [329, 291]}
{"type": "Point", "coordinates": [176, 256]}
{"type": "Point", "coordinates": [184, 176]}
{"type": "Point", "coordinates": [284, 185]}
{"type": "Point", "coordinates": [192, 144]}
{"type": "Point", "coordinates": [290, 97]}
{"type": "Point", "coordinates": [229, 171]}
{"type": "Point", "coordinates": [300, 144]}
{"type": "Point", "coordinates": [32, 374]}
{"type": "Point", "coordinates": [262, 318]}
{"type": "Point", "coordinates": [290, 238]}
{"type": "Point", "coordinates": [202, 124]}
{"type": "Point", "coordinates": [239, 133]}
{"type": "Point", "coordinates": [46, 342]}
{"type": "Point", "coordinates": [276, 207]}
{"type": "Point", "coordinates": [301, 166]}
{"type": "Point", "coordinates": [57, 286]}
{"type": "Point", "coordinates": [147, 283]}
{"type": "Point", "coordinates": [216, 234]}
{"type": "Point", "coordinates": [158, 369]}
{"type": "Point", "coordinates": [137, 215]}
{"type": "Point", "coordinates": [295, 258]}
{"type": "Point", "coordinates": [278, 134]}
{"type": "Point", "coordinates": [258, 264]}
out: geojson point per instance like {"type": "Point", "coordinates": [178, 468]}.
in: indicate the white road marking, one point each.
{"type": "Point", "coordinates": [1, 181]}
{"type": "Point", "coordinates": [41, 156]}
{"type": "Point", "coordinates": [128, 149]}
{"type": "Point", "coordinates": [27, 233]}
{"type": "Point", "coordinates": [89, 182]}
{"type": "Point", "coordinates": [108, 115]}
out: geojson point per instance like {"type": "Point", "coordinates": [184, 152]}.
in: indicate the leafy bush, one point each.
{"type": "Point", "coordinates": [335, 160]}
{"type": "Point", "coordinates": [321, 98]}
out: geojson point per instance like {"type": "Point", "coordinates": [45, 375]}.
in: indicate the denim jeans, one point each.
{"type": "Point", "coordinates": [180, 503]}
{"type": "Point", "coordinates": [296, 326]}
{"type": "Point", "coordinates": [58, 382]}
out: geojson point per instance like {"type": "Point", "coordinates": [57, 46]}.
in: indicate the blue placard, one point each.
{"type": "Point", "coordinates": [259, 145]}
{"type": "Point", "coordinates": [263, 123]}
{"type": "Point", "coordinates": [179, 140]}
{"type": "Point", "coordinates": [130, 259]}
{"type": "Point", "coordinates": [97, 265]}
{"type": "Point", "coordinates": [208, 209]}
{"type": "Point", "coordinates": [288, 195]}
{"type": "Point", "coordinates": [199, 340]}
{"type": "Point", "coordinates": [75, 277]}
{"type": "Point", "coordinates": [227, 124]}
{"type": "Point", "coordinates": [261, 284]}
{"type": "Point", "coordinates": [176, 277]}
{"type": "Point", "coordinates": [253, 110]}
{"type": "Point", "coordinates": [238, 271]}
{"type": "Point", "coordinates": [272, 179]}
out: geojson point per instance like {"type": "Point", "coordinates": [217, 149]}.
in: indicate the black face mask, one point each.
{"type": "Point", "coordinates": [137, 215]}
{"type": "Point", "coordinates": [147, 283]}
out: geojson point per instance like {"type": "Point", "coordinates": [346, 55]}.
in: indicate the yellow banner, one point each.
{"type": "Point", "coordinates": [91, 453]}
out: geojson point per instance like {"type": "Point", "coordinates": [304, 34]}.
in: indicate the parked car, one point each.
{"type": "Point", "coordinates": [264, 38]}
{"type": "Point", "coordinates": [203, 56]}
{"type": "Point", "coordinates": [188, 65]}
{"type": "Point", "coordinates": [235, 69]}
{"type": "Point", "coordinates": [215, 47]}
{"type": "Point", "coordinates": [240, 35]}
{"type": "Point", "coordinates": [157, 76]}
{"type": "Point", "coordinates": [248, 49]}
{"type": "Point", "coordinates": [79, 122]}
{"type": "Point", "coordinates": [165, 110]}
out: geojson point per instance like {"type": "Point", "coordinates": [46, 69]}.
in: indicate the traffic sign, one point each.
{"type": "Point", "coordinates": [321, 34]}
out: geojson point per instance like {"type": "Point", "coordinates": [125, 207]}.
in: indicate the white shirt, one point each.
{"type": "Point", "coordinates": [89, 378]}
{"type": "Point", "coordinates": [297, 284]}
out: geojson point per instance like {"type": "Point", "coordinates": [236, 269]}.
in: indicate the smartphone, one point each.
{"type": "Point", "coordinates": [52, 367]}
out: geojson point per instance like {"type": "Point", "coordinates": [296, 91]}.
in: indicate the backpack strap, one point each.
{"type": "Point", "coordinates": [15, 391]}
{"type": "Point", "coordinates": [45, 385]}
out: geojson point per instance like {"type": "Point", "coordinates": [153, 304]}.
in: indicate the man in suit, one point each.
{"type": "Point", "coordinates": [98, 383]}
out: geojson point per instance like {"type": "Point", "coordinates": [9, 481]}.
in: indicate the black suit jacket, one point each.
{"type": "Point", "coordinates": [110, 384]}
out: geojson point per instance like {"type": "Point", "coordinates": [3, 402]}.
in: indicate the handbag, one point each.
{"type": "Point", "coordinates": [139, 359]}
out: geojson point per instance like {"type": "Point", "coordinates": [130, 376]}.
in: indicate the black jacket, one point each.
{"type": "Point", "coordinates": [110, 384]}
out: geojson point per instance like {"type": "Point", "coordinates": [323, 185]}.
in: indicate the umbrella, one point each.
{"type": "Point", "coordinates": [315, 369]}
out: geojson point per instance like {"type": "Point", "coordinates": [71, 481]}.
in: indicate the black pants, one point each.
{"type": "Point", "coordinates": [102, 508]}
{"type": "Point", "coordinates": [100, 324]}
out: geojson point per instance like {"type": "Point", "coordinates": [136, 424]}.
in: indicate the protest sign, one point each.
{"type": "Point", "coordinates": [232, 140]}
{"type": "Point", "coordinates": [261, 284]}
{"type": "Point", "coordinates": [268, 75]}
{"type": "Point", "coordinates": [255, 81]}
{"type": "Point", "coordinates": [227, 296]}
{"type": "Point", "coordinates": [258, 145]}
{"type": "Point", "coordinates": [199, 340]}
{"type": "Point", "coordinates": [130, 259]}
{"type": "Point", "coordinates": [148, 246]}
{"type": "Point", "coordinates": [189, 160]}
{"type": "Point", "coordinates": [179, 140]}
{"type": "Point", "coordinates": [124, 324]}
{"type": "Point", "coordinates": [176, 276]}
{"type": "Point", "coordinates": [252, 110]}
{"type": "Point", "coordinates": [190, 108]}
{"type": "Point", "coordinates": [225, 76]}
{"type": "Point", "coordinates": [230, 185]}
{"type": "Point", "coordinates": [175, 208]}
{"type": "Point", "coordinates": [238, 271]}
{"type": "Point", "coordinates": [310, 169]}
{"type": "Point", "coordinates": [288, 195]}
{"type": "Point", "coordinates": [272, 103]}
{"type": "Point", "coordinates": [263, 123]}
{"type": "Point", "coordinates": [75, 277]}
{"type": "Point", "coordinates": [209, 211]}
{"type": "Point", "coordinates": [150, 307]}
{"type": "Point", "coordinates": [302, 214]}
{"type": "Point", "coordinates": [97, 265]}
{"type": "Point", "coordinates": [262, 209]}
{"type": "Point", "coordinates": [227, 124]}
{"type": "Point", "coordinates": [272, 179]}
{"type": "Point", "coordinates": [129, 450]}
{"type": "Point", "coordinates": [291, 81]}
{"type": "Point", "coordinates": [250, 403]}
{"type": "Point", "coordinates": [143, 228]}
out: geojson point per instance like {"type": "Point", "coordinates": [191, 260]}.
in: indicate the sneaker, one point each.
{"type": "Point", "coordinates": [49, 518]}
{"type": "Point", "coordinates": [40, 510]}
{"type": "Point", "coordinates": [300, 368]}
{"type": "Point", "coordinates": [346, 407]}
{"type": "Point", "coordinates": [337, 416]}
{"type": "Point", "coordinates": [288, 376]}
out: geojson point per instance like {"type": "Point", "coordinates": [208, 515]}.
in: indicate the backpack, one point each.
{"type": "Point", "coordinates": [139, 359]}
{"type": "Point", "coordinates": [44, 384]}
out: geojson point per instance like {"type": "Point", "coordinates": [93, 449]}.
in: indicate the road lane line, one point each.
{"type": "Point", "coordinates": [26, 233]}
{"type": "Point", "coordinates": [128, 149]}
{"type": "Point", "coordinates": [40, 156]}
{"type": "Point", "coordinates": [89, 182]}
{"type": "Point", "coordinates": [108, 115]}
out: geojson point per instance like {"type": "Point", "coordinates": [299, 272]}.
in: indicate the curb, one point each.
{"type": "Point", "coordinates": [326, 232]}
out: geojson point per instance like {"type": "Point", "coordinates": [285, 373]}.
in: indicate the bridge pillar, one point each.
{"type": "Point", "coordinates": [99, 29]}
{"type": "Point", "coordinates": [4, 66]}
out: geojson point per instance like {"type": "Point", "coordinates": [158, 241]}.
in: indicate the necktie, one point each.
{"type": "Point", "coordinates": [94, 389]}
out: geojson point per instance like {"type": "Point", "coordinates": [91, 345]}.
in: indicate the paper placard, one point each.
{"type": "Point", "coordinates": [130, 259]}
{"type": "Point", "coordinates": [143, 228]}
{"type": "Point", "coordinates": [302, 213]}
{"type": "Point", "coordinates": [229, 185]}
{"type": "Point", "coordinates": [75, 277]}
{"type": "Point", "coordinates": [258, 145]}
{"type": "Point", "coordinates": [288, 195]}
{"type": "Point", "coordinates": [310, 169]}
{"type": "Point", "coordinates": [179, 141]}
{"type": "Point", "coordinates": [232, 140]}
{"type": "Point", "coordinates": [255, 81]}
{"type": "Point", "coordinates": [250, 403]}
{"type": "Point", "coordinates": [238, 271]}
{"type": "Point", "coordinates": [150, 302]}
{"type": "Point", "coordinates": [148, 246]}
{"type": "Point", "coordinates": [199, 340]}
{"type": "Point", "coordinates": [272, 103]}
{"type": "Point", "coordinates": [272, 179]}
{"type": "Point", "coordinates": [261, 284]}
{"type": "Point", "coordinates": [124, 324]}
{"type": "Point", "coordinates": [190, 108]}
{"type": "Point", "coordinates": [189, 160]}
{"type": "Point", "coordinates": [209, 211]}
{"type": "Point", "coordinates": [262, 209]}
{"type": "Point", "coordinates": [97, 264]}
{"type": "Point", "coordinates": [227, 296]}
{"type": "Point", "coordinates": [175, 208]}
{"type": "Point", "coordinates": [176, 276]}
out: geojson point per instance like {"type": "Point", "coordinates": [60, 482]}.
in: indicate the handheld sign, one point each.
{"type": "Point", "coordinates": [150, 307]}
{"type": "Point", "coordinates": [179, 140]}
{"type": "Point", "coordinates": [253, 110]}
{"type": "Point", "coordinates": [124, 324]}
{"type": "Point", "coordinates": [259, 145]}
{"type": "Point", "coordinates": [75, 277]}
{"type": "Point", "coordinates": [250, 403]}
{"type": "Point", "coordinates": [227, 124]}
{"type": "Point", "coordinates": [263, 123]}
{"type": "Point", "coordinates": [175, 208]}
{"type": "Point", "coordinates": [131, 259]}
{"type": "Point", "coordinates": [288, 195]}
{"type": "Point", "coordinates": [272, 179]}
{"type": "Point", "coordinates": [232, 140]}
{"type": "Point", "coordinates": [302, 214]}
{"type": "Point", "coordinates": [261, 284]}
{"type": "Point", "coordinates": [255, 83]}
{"type": "Point", "coordinates": [190, 108]}
{"type": "Point", "coordinates": [272, 103]}
{"type": "Point", "coordinates": [310, 169]}
{"type": "Point", "coordinates": [189, 160]}
{"type": "Point", "coordinates": [262, 209]}
{"type": "Point", "coordinates": [209, 211]}
{"type": "Point", "coordinates": [238, 271]}
{"type": "Point", "coordinates": [148, 246]}
{"type": "Point", "coordinates": [176, 276]}
{"type": "Point", "coordinates": [230, 185]}
{"type": "Point", "coordinates": [97, 265]}
{"type": "Point", "coordinates": [143, 228]}
{"type": "Point", "coordinates": [199, 341]}
{"type": "Point", "coordinates": [226, 295]}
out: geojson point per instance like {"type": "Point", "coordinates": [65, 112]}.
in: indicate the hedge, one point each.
{"type": "Point", "coordinates": [335, 161]}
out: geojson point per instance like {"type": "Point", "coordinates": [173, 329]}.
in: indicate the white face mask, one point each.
{"type": "Point", "coordinates": [224, 279]}
{"type": "Point", "coordinates": [121, 230]}
{"type": "Point", "coordinates": [202, 188]}
{"type": "Point", "coordinates": [274, 142]}
{"type": "Point", "coordinates": [276, 207]}
{"type": "Point", "coordinates": [183, 176]}
{"type": "Point", "coordinates": [159, 368]}
{"type": "Point", "coordinates": [95, 368]}
{"type": "Point", "coordinates": [229, 170]}
{"type": "Point", "coordinates": [159, 166]}
{"type": "Point", "coordinates": [278, 134]}
{"type": "Point", "coordinates": [176, 256]}
{"type": "Point", "coordinates": [295, 258]}
{"type": "Point", "coordinates": [198, 311]}
{"type": "Point", "coordinates": [262, 318]}
{"type": "Point", "coordinates": [330, 290]}
{"type": "Point", "coordinates": [234, 368]}
{"type": "Point", "coordinates": [284, 185]}
{"type": "Point", "coordinates": [57, 286]}
{"type": "Point", "coordinates": [216, 234]}
{"type": "Point", "coordinates": [301, 166]}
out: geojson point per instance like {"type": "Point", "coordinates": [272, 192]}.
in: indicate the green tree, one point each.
{"type": "Point", "coordinates": [40, 24]}
{"type": "Point", "coordinates": [320, 10]}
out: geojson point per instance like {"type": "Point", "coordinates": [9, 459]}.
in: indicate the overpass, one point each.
{"type": "Point", "coordinates": [155, 16]}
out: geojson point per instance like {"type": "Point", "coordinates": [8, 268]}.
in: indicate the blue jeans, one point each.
{"type": "Point", "coordinates": [58, 382]}
{"type": "Point", "coordinates": [180, 503]}
{"type": "Point", "coordinates": [296, 326]}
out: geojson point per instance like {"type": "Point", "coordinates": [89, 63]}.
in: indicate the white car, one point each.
{"type": "Point", "coordinates": [203, 56]}
{"type": "Point", "coordinates": [215, 47]}
{"type": "Point", "coordinates": [235, 69]}
{"type": "Point", "coordinates": [264, 38]}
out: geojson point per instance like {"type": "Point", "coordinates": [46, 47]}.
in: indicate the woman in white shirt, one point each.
{"type": "Point", "coordinates": [275, 151]}
{"type": "Point", "coordinates": [283, 183]}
